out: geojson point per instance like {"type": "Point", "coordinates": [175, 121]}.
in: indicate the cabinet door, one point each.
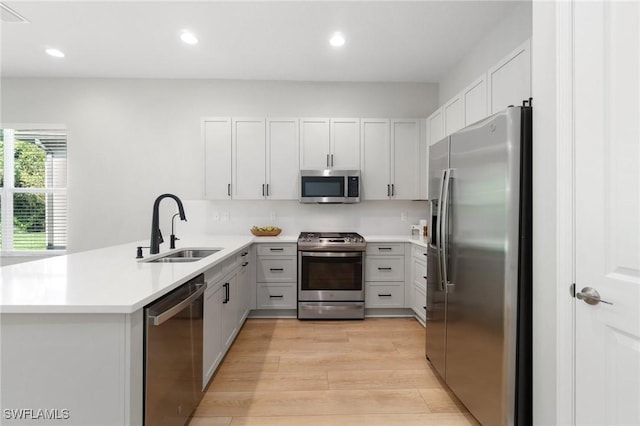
{"type": "Point", "coordinates": [314, 143]}
{"type": "Point", "coordinates": [510, 80]}
{"type": "Point", "coordinates": [229, 310]}
{"type": "Point", "coordinates": [376, 153]}
{"type": "Point", "coordinates": [419, 305]}
{"type": "Point", "coordinates": [453, 115]}
{"type": "Point", "coordinates": [406, 160]}
{"type": "Point", "coordinates": [242, 293]}
{"type": "Point", "coordinates": [474, 99]}
{"type": "Point", "coordinates": [248, 158]}
{"type": "Point", "coordinates": [212, 333]}
{"type": "Point", "coordinates": [435, 126]}
{"type": "Point", "coordinates": [283, 160]}
{"type": "Point", "coordinates": [217, 158]}
{"type": "Point", "coordinates": [345, 143]}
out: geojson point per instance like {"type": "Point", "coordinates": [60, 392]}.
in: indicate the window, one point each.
{"type": "Point", "coordinates": [33, 190]}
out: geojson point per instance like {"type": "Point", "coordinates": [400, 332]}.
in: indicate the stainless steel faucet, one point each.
{"type": "Point", "coordinates": [156, 235]}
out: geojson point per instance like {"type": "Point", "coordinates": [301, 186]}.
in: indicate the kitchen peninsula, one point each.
{"type": "Point", "coordinates": [72, 327]}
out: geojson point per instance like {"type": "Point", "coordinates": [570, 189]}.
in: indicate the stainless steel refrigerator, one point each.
{"type": "Point", "coordinates": [478, 328]}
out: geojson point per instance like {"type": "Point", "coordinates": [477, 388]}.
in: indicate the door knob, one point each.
{"type": "Point", "coordinates": [591, 296]}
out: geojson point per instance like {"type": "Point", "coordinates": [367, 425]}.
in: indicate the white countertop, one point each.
{"type": "Point", "coordinates": [111, 280]}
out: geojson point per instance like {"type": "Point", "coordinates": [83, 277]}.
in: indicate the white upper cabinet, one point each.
{"type": "Point", "coordinates": [510, 80]}
{"type": "Point", "coordinates": [408, 159]}
{"type": "Point", "coordinates": [251, 158]}
{"type": "Point", "coordinates": [345, 143]}
{"type": "Point", "coordinates": [376, 159]}
{"type": "Point", "coordinates": [217, 157]}
{"type": "Point", "coordinates": [506, 83]}
{"type": "Point", "coordinates": [435, 126]}
{"type": "Point", "coordinates": [248, 158]}
{"type": "Point", "coordinates": [329, 143]}
{"type": "Point", "coordinates": [453, 115]}
{"type": "Point", "coordinates": [282, 159]}
{"type": "Point", "coordinates": [393, 159]}
{"type": "Point", "coordinates": [315, 140]}
{"type": "Point", "coordinates": [474, 100]}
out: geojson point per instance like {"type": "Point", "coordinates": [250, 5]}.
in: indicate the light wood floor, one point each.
{"type": "Point", "coordinates": [327, 373]}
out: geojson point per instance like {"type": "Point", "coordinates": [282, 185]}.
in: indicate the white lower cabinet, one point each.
{"type": "Point", "coordinates": [276, 276]}
{"type": "Point", "coordinates": [419, 281]}
{"type": "Point", "coordinates": [226, 305]}
{"type": "Point", "coordinates": [384, 275]}
{"type": "Point", "coordinates": [212, 350]}
{"type": "Point", "coordinates": [384, 295]}
{"type": "Point", "coordinates": [229, 309]}
{"type": "Point", "coordinates": [276, 296]}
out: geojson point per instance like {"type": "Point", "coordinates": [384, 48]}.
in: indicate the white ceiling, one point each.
{"type": "Point", "coordinates": [394, 41]}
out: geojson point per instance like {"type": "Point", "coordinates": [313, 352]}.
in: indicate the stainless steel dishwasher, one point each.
{"type": "Point", "coordinates": [173, 355]}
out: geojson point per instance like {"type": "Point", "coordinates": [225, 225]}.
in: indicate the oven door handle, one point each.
{"type": "Point", "coordinates": [332, 307]}
{"type": "Point", "coordinates": [331, 254]}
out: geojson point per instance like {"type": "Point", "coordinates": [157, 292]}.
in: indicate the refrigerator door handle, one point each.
{"type": "Point", "coordinates": [444, 227]}
{"type": "Point", "coordinates": [439, 221]}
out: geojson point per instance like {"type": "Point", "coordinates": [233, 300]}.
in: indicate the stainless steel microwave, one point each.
{"type": "Point", "coordinates": [329, 186]}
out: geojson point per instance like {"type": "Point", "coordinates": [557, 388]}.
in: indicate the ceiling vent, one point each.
{"type": "Point", "coordinates": [10, 16]}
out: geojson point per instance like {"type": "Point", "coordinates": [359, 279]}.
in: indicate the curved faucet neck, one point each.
{"type": "Point", "coordinates": [156, 236]}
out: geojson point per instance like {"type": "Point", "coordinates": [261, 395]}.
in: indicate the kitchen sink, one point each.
{"type": "Point", "coordinates": [174, 260]}
{"type": "Point", "coordinates": [199, 253]}
{"type": "Point", "coordinates": [184, 255]}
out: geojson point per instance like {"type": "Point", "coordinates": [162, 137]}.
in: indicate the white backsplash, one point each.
{"type": "Point", "coordinates": [237, 217]}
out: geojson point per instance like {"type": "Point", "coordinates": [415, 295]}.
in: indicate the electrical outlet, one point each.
{"type": "Point", "coordinates": [404, 216]}
{"type": "Point", "coordinates": [273, 216]}
{"type": "Point", "coordinates": [225, 216]}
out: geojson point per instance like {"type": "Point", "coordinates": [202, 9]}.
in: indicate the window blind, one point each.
{"type": "Point", "coordinates": [35, 197]}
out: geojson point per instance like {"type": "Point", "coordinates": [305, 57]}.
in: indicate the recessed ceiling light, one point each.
{"type": "Point", "coordinates": [188, 37]}
{"type": "Point", "coordinates": [55, 52]}
{"type": "Point", "coordinates": [337, 40]}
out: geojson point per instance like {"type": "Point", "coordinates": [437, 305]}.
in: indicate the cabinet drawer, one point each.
{"type": "Point", "coordinates": [384, 268]}
{"type": "Point", "coordinates": [276, 296]}
{"type": "Point", "coordinates": [384, 295]}
{"type": "Point", "coordinates": [375, 249]}
{"type": "Point", "coordinates": [419, 252]}
{"type": "Point", "coordinates": [277, 249]}
{"type": "Point", "coordinates": [276, 269]}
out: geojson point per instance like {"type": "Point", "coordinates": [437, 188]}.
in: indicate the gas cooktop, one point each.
{"type": "Point", "coordinates": [331, 241]}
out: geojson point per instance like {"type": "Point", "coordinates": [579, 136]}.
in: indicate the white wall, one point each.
{"type": "Point", "coordinates": [367, 217]}
{"type": "Point", "coordinates": [510, 33]}
{"type": "Point", "coordinates": [132, 140]}
{"type": "Point", "coordinates": [551, 401]}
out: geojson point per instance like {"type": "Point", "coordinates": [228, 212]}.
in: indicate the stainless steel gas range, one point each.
{"type": "Point", "coordinates": [331, 275]}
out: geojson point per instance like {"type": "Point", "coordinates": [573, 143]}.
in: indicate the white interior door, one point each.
{"type": "Point", "coordinates": [607, 136]}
